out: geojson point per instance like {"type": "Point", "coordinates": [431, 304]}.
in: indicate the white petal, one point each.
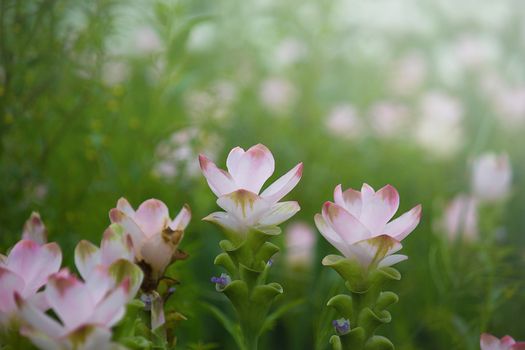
{"type": "Point", "coordinates": [220, 181]}
{"type": "Point", "coordinates": [392, 259]}
{"type": "Point", "coordinates": [349, 199]}
{"type": "Point", "coordinates": [252, 168]}
{"type": "Point", "coordinates": [344, 224]}
{"type": "Point", "coordinates": [379, 208]}
{"type": "Point", "coordinates": [330, 234]}
{"type": "Point", "coordinates": [87, 257]}
{"type": "Point", "coordinates": [403, 225]}
{"type": "Point", "coordinates": [280, 188]}
{"type": "Point", "coordinates": [279, 213]}
{"type": "Point", "coordinates": [247, 207]}
{"type": "Point", "coordinates": [182, 219]}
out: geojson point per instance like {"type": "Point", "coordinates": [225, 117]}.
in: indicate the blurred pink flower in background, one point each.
{"type": "Point", "coordinates": [343, 121]}
{"type": "Point", "coordinates": [460, 218]}
{"type": "Point", "coordinates": [440, 131]}
{"type": "Point", "coordinates": [278, 94]}
{"type": "Point", "coordinates": [290, 51]}
{"type": "Point", "coordinates": [300, 244]}
{"type": "Point", "coordinates": [408, 74]}
{"type": "Point", "coordinates": [114, 72]}
{"type": "Point", "coordinates": [146, 40]}
{"type": "Point", "coordinates": [490, 342]}
{"type": "Point", "coordinates": [491, 177]}
{"type": "Point", "coordinates": [388, 118]}
{"type": "Point", "coordinates": [474, 51]}
{"type": "Point", "coordinates": [357, 224]}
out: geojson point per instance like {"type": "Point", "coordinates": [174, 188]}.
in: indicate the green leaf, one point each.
{"type": "Point", "coordinates": [379, 343]}
{"type": "Point", "coordinates": [274, 316]}
{"type": "Point", "coordinates": [386, 299]}
{"type": "Point", "coordinates": [343, 304]}
{"type": "Point", "coordinates": [228, 324]}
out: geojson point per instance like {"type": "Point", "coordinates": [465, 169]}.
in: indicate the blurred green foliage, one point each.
{"type": "Point", "coordinates": [92, 93]}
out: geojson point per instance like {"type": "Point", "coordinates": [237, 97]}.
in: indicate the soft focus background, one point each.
{"type": "Point", "coordinates": [102, 99]}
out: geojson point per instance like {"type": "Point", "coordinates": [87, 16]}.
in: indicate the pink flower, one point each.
{"type": "Point", "coordinates": [491, 177]}
{"type": "Point", "coordinates": [300, 244]}
{"type": "Point", "coordinates": [238, 190]}
{"type": "Point", "coordinates": [35, 230]}
{"type": "Point", "coordinates": [357, 224]}
{"type": "Point", "coordinates": [24, 271]}
{"type": "Point", "coordinates": [154, 235]}
{"type": "Point", "coordinates": [115, 245]}
{"type": "Point", "coordinates": [461, 217]}
{"type": "Point", "coordinates": [490, 342]}
{"type": "Point", "coordinates": [86, 312]}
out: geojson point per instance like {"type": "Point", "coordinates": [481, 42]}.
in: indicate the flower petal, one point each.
{"type": "Point", "coordinates": [124, 206]}
{"type": "Point", "coordinates": [34, 229]}
{"type": "Point", "coordinates": [69, 298]}
{"type": "Point", "coordinates": [158, 253]}
{"type": "Point", "coordinates": [403, 225]}
{"type": "Point", "coordinates": [392, 259]}
{"type": "Point", "coordinates": [112, 308]}
{"type": "Point", "coordinates": [130, 227]}
{"type": "Point", "coordinates": [38, 319]}
{"type": "Point", "coordinates": [152, 216]}
{"type": "Point", "coordinates": [225, 220]}
{"type": "Point", "coordinates": [116, 245]}
{"type": "Point", "coordinates": [280, 188]}
{"type": "Point", "coordinates": [374, 250]}
{"type": "Point", "coordinates": [330, 235]}
{"type": "Point", "coordinates": [34, 263]}
{"type": "Point", "coordinates": [87, 257]}
{"type": "Point", "coordinates": [252, 168]}
{"type": "Point", "coordinates": [182, 219]}
{"type": "Point", "coordinates": [10, 283]}
{"type": "Point", "coordinates": [349, 199]}
{"type": "Point", "coordinates": [246, 206]}
{"type": "Point", "coordinates": [157, 311]}
{"type": "Point", "coordinates": [279, 212]}
{"type": "Point", "coordinates": [379, 208]}
{"type": "Point", "coordinates": [344, 224]}
{"type": "Point", "coordinates": [220, 181]}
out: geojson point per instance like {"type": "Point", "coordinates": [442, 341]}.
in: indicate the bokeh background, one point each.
{"type": "Point", "coordinates": [102, 99]}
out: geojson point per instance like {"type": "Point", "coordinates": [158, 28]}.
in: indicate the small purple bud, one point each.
{"type": "Point", "coordinates": [270, 263]}
{"type": "Point", "coordinates": [222, 281]}
{"type": "Point", "coordinates": [342, 326]}
{"type": "Point", "coordinates": [146, 299]}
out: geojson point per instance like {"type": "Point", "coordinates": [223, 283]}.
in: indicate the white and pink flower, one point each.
{"type": "Point", "coordinates": [34, 229]}
{"type": "Point", "coordinates": [461, 218]}
{"type": "Point", "coordinates": [357, 224]}
{"type": "Point", "coordinates": [24, 271]}
{"type": "Point", "coordinates": [300, 244]}
{"type": "Point", "coordinates": [490, 342]}
{"type": "Point", "coordinates": [239, 190]}
{"type": "Point", "coordinates": [155, 237]}
{"type": "Point", "coordinates": [491, 177]}
{"type": "Point", "coordinates": [86, 312]}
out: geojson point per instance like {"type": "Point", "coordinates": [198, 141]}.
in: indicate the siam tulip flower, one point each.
{"type": "Point", "coordinates": [290, 51]}
{"type": "Point", "coordinates": [146, 40]}
{"type": "Point", "coordinates": [35, 230]}
{"type": "Point", "coordinates": [491, 177]}
{"type": "Point", "coordinates": [408, 74]}
{"type": "Point", "coordinates": [239, 190]}
{"type": "Point", "coordinates": [357, 224]}
{"type": "Point", "coordinates": [155, 237]}
{"type": "Point", "coordinates": [300, 244]}
{"type": "Point", "coordinates": [86, 313]}
{"type": "Point", "coordinates": [490, 342]}
{"type": "Point", "coordinates": [388, 118]}
{"type": "Point", "coordinates": [24, 271]}
{"type": "Point", "coordinates": [461, 217]}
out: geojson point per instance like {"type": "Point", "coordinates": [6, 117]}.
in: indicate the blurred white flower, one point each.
{"type": "Point", "coordinates": [114, 72]}
{"type": "Point", "coordinates": [509, 104]}
{"type": "Point", "coordinates": [213, 102]}
{"type": "Point", "coordinates": [408, 74]}
{"type": "Point", "coordinates": [277, 94]}
{"type": "Point", "coordinates": [476, 51]}
{"type": "Point", "coordinates": [460, 218]}
{"type": "Point", "coordinates": [343, 121]}
{"type": "Point", "coordinates": [178, 155]}
{"type": "Point", "coordinates": [439, 131]}
{"type": "Point", "coordinates": [300, 244]}
{"type": "Point", "coordinates": [491, 177]}
{"type": "Point", "coordinates": [388, 118]}
{"type": "Point", "coordinates": [290, 51]}
{"type": "Point", "coordinates": [202, 37]}
{"type": "Point", "coordinates": [146, 40]}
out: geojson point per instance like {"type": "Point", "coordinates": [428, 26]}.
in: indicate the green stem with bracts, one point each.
{"type": "Point", "coordinates": [363, 309]}
{"type": "Point", "coordinates": [247, 263]}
